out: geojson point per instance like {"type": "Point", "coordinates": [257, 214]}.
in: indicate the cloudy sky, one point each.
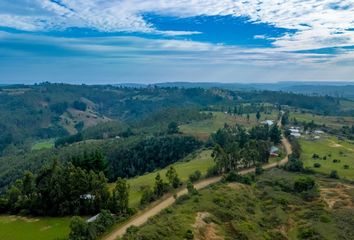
{"type": "Point", "coordinates": [111, 41]}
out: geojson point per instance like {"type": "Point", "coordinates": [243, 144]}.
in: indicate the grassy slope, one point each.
{"type": "Point", "coordinates": [18, 228]}
{"type": "Point", "coordinates": [341, 150]}
{"type": "Point", "coordinates": [202, 161]}
{"type": "Point", "coordinates": [202, 129]}
{"type": "Point", "coordinates": [263, 211]}
{"type": "Point", "coordinates": [44, 144]}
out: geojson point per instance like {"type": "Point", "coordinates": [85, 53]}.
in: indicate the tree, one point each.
{"type": "Point", "coordinates": [159, 186]}
{"type": "Point", "coordinates": [258, 115]}
{"type": "Point", "coordinates": [79, 229]}
{"type": "Point", "coordinates": [285, 118]}
{"type": "Point", "coordinates": [248, 117]}
{"type": "Point", "coordinates": [147, 195]}
{"type": "Point", "coordinates": [172, 128]}
{"type": "Point", "coordinates": [121, 196]}
{"type": "Point", "coordinates": [195, 176]}
{"type": "Point", "coordinates": [275, 134]}
{"type": "Point", "coordinates": [304, 184]}
{"type": "Point", "coordinates": [294, 164]}
{"type": "Point", "coordinates": [172, 177]}
{"type": "Point", "coordinates": [103, 221]}
{"type": "Point", "coordinates": [191, 189]}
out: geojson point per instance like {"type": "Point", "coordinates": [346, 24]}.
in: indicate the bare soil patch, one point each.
{"type": "Point", "coordinates": [337, 196]}
{"type": "Point", "coordinates": [204, 229]}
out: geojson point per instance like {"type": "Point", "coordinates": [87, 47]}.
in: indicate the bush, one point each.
{"type": "Point", "coordinates": [189, 235]}
{"type": "Point", "coordinates": [346, 166]}
{"type": "Point", "coordinates": [82, 230]}
{"type": "Point", "coordinates": [235, 177]}
{"type": "Point", "coordinates": [294, 164]}
{"type": "Point", "coordinates": [336, 161]}
{"type": "Point", "coordinates": [334, 174]}
{"type": "Point", "coordinates": [304, 184]}
{"type": "Point", "coordinates": [316, 165]}
{"type": "Point", "coordinates": [315, 156]}
{"type": "Point", "coordinates": [308, 233]}
{"type": "Point", "coordinates": [259, 170]}
{"type": "Point", "coordinates": [195, 176]}
{"type": "Point", "coordinates": [212, 171]}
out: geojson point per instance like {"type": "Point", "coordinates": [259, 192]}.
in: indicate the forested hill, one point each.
{"type": "Point", "coordinates": [33, 112]}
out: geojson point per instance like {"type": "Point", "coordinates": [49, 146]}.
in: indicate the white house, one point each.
{"type": "Point", "coordinates": [268, 122]}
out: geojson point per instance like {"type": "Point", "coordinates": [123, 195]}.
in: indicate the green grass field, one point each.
{"type": "Point", "coordinates": [203, 129]}
{"type": "Point", "coordinates": [331, 121]}
{"type": "Point", "coordinates": [202, 161]}
{"type": "Point", "coordinates": [332, 148]}
{"type": "Point", "coordinates": [45, 144]}
{"type": "Point", "coordinates": [21, 228]}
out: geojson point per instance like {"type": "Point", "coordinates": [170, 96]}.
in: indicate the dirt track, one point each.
{"type": "Point", "coordinates": [142, 217]}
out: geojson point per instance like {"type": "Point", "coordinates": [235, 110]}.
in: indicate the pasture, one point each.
{"type": "Point", "coordinates": [333, 154]}
{"type": "Point", "coordinates": [201, 161]}
{"type": "Point", "coordinates": [330, 121]}
{"type": "Point", "coordinates": [23, 228]}
{"type": "Point", "coordinates": [43, 144]}
{"type": "Point", "coordinates": [203, 129]}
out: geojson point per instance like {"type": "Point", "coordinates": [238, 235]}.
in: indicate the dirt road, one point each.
{"type": "Point", "coordinates": [142, 217]}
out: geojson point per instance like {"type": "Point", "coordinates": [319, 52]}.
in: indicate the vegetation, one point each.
{"type": "Point", "coordinates": [82, 230]}
{"type": "Point", "coordinates": [65, 190]}
{"type": "Point", "coordinates": [278, 206]}
{"type": "Point", "coordinates": [236, 148]}
{"type": "Point", "coordinates": [20, 228]}
{"type": "Point", "coordinates": [331, 154]}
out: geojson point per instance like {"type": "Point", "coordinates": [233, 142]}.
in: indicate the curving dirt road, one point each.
{"type": "Point", "coordinates": [142, 217]}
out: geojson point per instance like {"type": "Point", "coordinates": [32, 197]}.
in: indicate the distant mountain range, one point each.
{"type": "Point", "coordinates": [335, 89]}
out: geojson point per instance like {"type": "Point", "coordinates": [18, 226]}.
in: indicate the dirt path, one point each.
{"type": "Point", "coordinates": [142, 217]}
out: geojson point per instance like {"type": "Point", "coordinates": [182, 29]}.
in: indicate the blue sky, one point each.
{"type": "Point", "coordinates": [111, 41]}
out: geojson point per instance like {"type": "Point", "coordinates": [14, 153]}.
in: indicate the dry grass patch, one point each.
{"type": "Point", "coordinates": [204, 229]}
{"type": "Point", "coordinates": [337, 196]}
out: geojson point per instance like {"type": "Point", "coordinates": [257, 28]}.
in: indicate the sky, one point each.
{"type": "Point", "coordinates": [148, 41]}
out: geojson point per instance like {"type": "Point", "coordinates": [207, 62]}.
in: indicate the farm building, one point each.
{"type": "Point", "coordinates": [268, 122]}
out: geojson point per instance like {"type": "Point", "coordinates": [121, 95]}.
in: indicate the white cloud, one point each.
{"type": "Point", "coordinates": [319, 23]}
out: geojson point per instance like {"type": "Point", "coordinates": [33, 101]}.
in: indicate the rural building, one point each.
{"type": "Point", "coordinates": [268, 122]}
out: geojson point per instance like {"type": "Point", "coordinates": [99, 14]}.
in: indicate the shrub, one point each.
{"type": "Point", "coordinates": [336, 161]}
{"type": "Point", "coordinates": [191, 189]}
{"type": "Point", "coordinates": [304, 184]}
{"type": "Point", "coordinates": [294, 164]}
{"type": "Point", "coordinates": [259, 170]}
{"type": "Point", "coordinates": [189, 235]}
{"type": "Point", "coordinates": [212, 171]}
{"type": "Point", "coordinates": [235, 177]}
{"type": "Point", "coordinates": [346, 166]}
{"type": "Point", "coordinates": [315, 156]}
{"type": "Point", "coordinates": [308, 233]}
{"type": "Point", "coordinates": [316, 165]}
{"type": "Point", "coordinates": [195, 176]}
{"type": "Point", "coordinates": [147, 195]}
{"type": "Point", "coordinates": [334, 174]}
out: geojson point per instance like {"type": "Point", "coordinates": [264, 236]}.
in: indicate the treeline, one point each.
{"type": "Point", "coordinates": [235, 147]}
{"type": "Point", "coordinates": [149, 154]}
{"type": "Point", "coordinates": [124, 157]}
{"type": "Point", "coordinates": [320, 104]}
{"type": "Point", "coordinates": [60, 190]}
